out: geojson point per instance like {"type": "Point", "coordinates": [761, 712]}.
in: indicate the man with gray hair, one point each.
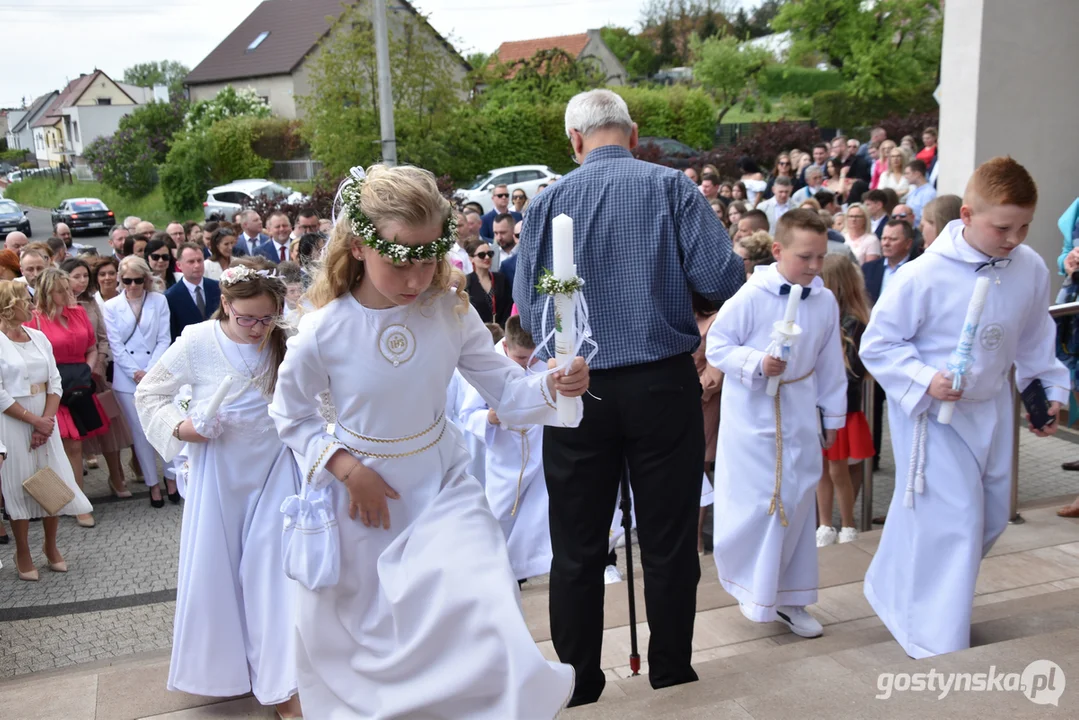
{"type": "Point", "coordinates": [248, 241]}
{"type": "Point", "coordinates": [646, 240]}
{"type": "Point", "coordinates": [131, 222]}
{"type": "Point", "coordinates": [814, 177]}
{"type": "Point", "coordinates": [117, 235]}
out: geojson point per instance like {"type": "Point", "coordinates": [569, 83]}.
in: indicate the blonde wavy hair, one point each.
{"type": "Point", "coordinates": [12, 294]}
{"type": "Point", "coordinates": [134, 262]}
{"type": "Point", "coordinates": [404, 194]}
{"type": "Point", "coordinates": [50, 281]}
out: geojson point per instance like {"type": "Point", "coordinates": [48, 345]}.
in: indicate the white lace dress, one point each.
{"type": "Point", "coordinates": [234, 630]}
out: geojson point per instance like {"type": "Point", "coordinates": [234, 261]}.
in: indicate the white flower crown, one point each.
{"type": "Point", "coordinates": [243, 273]}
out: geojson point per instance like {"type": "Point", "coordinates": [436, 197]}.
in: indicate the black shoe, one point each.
{"type": "Point", "coordinates": [157, 503]}
{"type": "Point", "coordinates": [174, 498]}
{"type": "Point", "coordinates": [1071, 466]}
{"type": "Point", "coordinates": [879, 520]}
{"type": "Point", "coordinates": [5, 539]}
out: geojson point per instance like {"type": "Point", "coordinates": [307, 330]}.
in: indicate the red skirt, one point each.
{"type": "Point", "coordinates": [70, 431]}
{"type": "Point", "coordinates": [853, 442]}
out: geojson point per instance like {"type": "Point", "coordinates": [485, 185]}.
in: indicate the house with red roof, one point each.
{"type": "Point", "coordinates": [587, 46]}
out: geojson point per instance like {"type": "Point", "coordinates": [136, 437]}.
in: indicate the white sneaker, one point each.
{"type": "Point", "coordinates": [799, 621]}
{"type": "Point", "coordinates": [611, 575]}
{"type": "Point", "coordinates": [825, 536]}
{"type": "Point", "coordinates": [847, 535]}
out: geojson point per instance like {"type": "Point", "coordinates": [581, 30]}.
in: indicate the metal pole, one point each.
{"type": "Point", "coordinates": [868, 388]}
{"type": "Point", "coordinates": [385, 89]}
{"type": "Point", "coordinates": [1014, 517]}
{"type": "Point", "coordinates": [627, 524]}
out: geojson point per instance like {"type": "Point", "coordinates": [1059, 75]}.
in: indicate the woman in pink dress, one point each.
{"type": "Point", "coordinates": [74, 346]}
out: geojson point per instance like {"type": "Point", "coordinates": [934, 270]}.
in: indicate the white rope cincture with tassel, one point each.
{"type": "Point", "coordinates": [916, 471]}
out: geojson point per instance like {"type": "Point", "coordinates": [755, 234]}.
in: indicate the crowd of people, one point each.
{"type": "Point", "coordinates": [106, 320]}
{"type": "Point", "coordinates": [382, 381]}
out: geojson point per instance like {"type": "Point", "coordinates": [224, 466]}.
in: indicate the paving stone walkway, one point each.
{"type": "Point", "coordinates": [118, 597]}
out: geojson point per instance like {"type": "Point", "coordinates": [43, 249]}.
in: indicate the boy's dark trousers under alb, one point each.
{"type": "Point", "coordinates": [648, 417]}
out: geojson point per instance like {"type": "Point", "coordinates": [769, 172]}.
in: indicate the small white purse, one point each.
{"type": "Point", "coordinates": [311, 545]}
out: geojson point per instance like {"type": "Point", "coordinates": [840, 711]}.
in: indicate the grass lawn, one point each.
{"type": "Point", "coordinates": [47, 193]}
{"type": "Point", "coordinates": [779, 112]}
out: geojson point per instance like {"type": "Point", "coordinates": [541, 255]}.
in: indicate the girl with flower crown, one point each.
{"type": "Point", "coordinates": [423, 618]}
{"type": "Point", "coordinates": [234, 627]}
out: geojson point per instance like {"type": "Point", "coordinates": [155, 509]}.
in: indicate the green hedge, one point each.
{"type": "Point", "coordinates": [685, 114]}
{"type": "Point", "coordinates": [839, 109]}
{"type": "Point", "coordinates": [776, 80]}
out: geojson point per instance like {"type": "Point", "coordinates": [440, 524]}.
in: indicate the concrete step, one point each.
{"type": "Point", "coordinates": [837, 675]}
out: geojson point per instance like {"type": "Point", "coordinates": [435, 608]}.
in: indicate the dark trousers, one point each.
{"type": "Point", "coordinates": [878, 420]}
{"type": "Point", "coordinates": [648, 419]}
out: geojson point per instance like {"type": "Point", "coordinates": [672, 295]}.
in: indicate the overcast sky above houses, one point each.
{"type": "Point", "coordinates": [52, 41]}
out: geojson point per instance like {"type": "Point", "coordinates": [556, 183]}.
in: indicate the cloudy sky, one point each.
{"type": "Point", "coordinates": [114, 34]}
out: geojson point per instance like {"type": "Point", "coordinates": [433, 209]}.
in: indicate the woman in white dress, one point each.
{"type": "Point", "coordinates": [425, 619]}
{"type": "Point", "coordinates": [30, 396]}
{"type": "Point", "coordinates": [137, 324]}
{"type": "Point", "coordinates": [234, 626]}
{"type": "Point", "coordinates": [893, 176]}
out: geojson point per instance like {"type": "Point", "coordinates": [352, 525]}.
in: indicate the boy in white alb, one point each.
{"type": "Point", "coordinates": [513, 463]}
{"type": "Point", "coordinates": [769, 456]}
{"type": "Point", "coordinates": [949, 509]}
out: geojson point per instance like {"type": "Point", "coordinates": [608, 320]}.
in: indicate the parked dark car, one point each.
{"type": "Point", "coordinates": [667, 151]}
{"type": "Point", "coordinates": [12, 218]}
{"type": "Point", "coordinates": [88, 214]}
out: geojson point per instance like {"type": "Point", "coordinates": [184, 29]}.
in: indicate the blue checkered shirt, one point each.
{"type": "Point", "coordinates": [644, 239]}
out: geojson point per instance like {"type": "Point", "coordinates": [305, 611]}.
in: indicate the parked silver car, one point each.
{"type": "Point", "coordinates": [224, 201]}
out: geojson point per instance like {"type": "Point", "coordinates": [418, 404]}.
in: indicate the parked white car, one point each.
{"type": "Point", "coordinates": [224, 201]}
{"type": "Point", "coordinates": [518, 177]}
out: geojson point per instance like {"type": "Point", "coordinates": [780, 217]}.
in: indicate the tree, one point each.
{"type": "Point", "coordinates": [342, 124]}
{"type": "Point", "coordinates": [166, 72]}
{"type": "Point", "coordinates": [668, 51]}
{"type": "Point", "coordinates": [635, 52]}
{"type": "Point", "coordinates": [155, 124]}
{"type": "Point", "coordinates": [728, 70]}
{"type": "Point", "coordinates": [761, 24]}
{"type": "Point", "coordinates": [228, 103]}
{"type": "Point", "coordinates": [878, 47]}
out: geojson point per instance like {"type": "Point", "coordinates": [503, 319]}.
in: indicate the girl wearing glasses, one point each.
{"type": "Point", "coordinates": [488, 291]}
{"type": "Point", "coordinates": [137, 325]}
{"type": "Point", "coordinates": [233, 631]}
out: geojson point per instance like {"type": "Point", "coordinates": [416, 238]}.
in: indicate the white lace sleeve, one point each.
{"type": "Point", "coordinates": [154, 397]}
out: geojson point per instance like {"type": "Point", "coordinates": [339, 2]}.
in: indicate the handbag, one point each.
{"type": "Point", "coordinates": [48, 488]}
{"type": "Point", "coordinates": [109, 404]}
{"type": "Point", "coordinates": [311, 544]}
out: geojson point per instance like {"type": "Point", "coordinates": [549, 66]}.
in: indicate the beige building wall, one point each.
{"type": "Point", "coordinates": [596, 48]}
{"type": "Point", "coordinates": [277, 89]}
{"type": "Point", "coordinates": [1008, 88]}
{"type": "Point", "coordinates": [104, 88]}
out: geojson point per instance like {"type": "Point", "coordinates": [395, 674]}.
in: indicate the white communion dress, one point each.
{"type": "Point", "coordinates": [234, 630]}
{"type": "Point", "coordinates": [425, 620]}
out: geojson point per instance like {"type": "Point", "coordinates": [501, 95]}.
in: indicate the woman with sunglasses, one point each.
{"type": "Point", "coordinates": [488, 291]}
{"type": "Point", "coordinates": [519, 200]}
{"type": "Point", "coordinates": [234, 628]}
{"type": "Point", "coordinates": [137, 325]}
{"type": "Point", "coordinates": [783, 168]}
{"type": "Point", "coordinates": [162, 263]}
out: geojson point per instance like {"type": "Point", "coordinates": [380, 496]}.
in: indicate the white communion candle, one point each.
{"type": "Point", "coordinates": [964, 349]}
{"type": "Point", "coordinates": [565, 337]}
{"type": "Point", "coordinates": [219, 397]}
{"type": "Point", "coordinates": [792, 304]}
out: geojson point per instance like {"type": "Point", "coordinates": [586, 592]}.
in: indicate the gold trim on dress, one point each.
{"type": "Point", "coordinates": [526, 454]}
{"type": "Point", "coordinates": [397, 456]}
{"type": "Point", "coordinates": [395, 440]}
{"type": "Point", "coordinates": [543, 391]}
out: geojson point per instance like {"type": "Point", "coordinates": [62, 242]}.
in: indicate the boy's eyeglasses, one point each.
{"type": "Point", "coordinates": [137, 281]}
{"type": "Point", "coordinates": [484, 255]}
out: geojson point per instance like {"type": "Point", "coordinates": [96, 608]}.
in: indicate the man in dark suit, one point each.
{"type": "Point", "coordinates": [251, 235]}
{"type": "Point", "coordinates": [876, 205]}
{"type": "Point", "coordinates": [275, 249]}
{"type": "Point", "coordinates": [897, 248]}
{"type": "Point", "coordinates": [194, 298]}
{"type": "Point", "coordinates": [500, 197]}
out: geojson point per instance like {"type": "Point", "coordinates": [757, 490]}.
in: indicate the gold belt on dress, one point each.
{"type": "Point", "coordinates": [777, 499]}
{"type": "Point", "coordinates": [440, 421]}
{"type": "Point", "coordinates": [38, 388]}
